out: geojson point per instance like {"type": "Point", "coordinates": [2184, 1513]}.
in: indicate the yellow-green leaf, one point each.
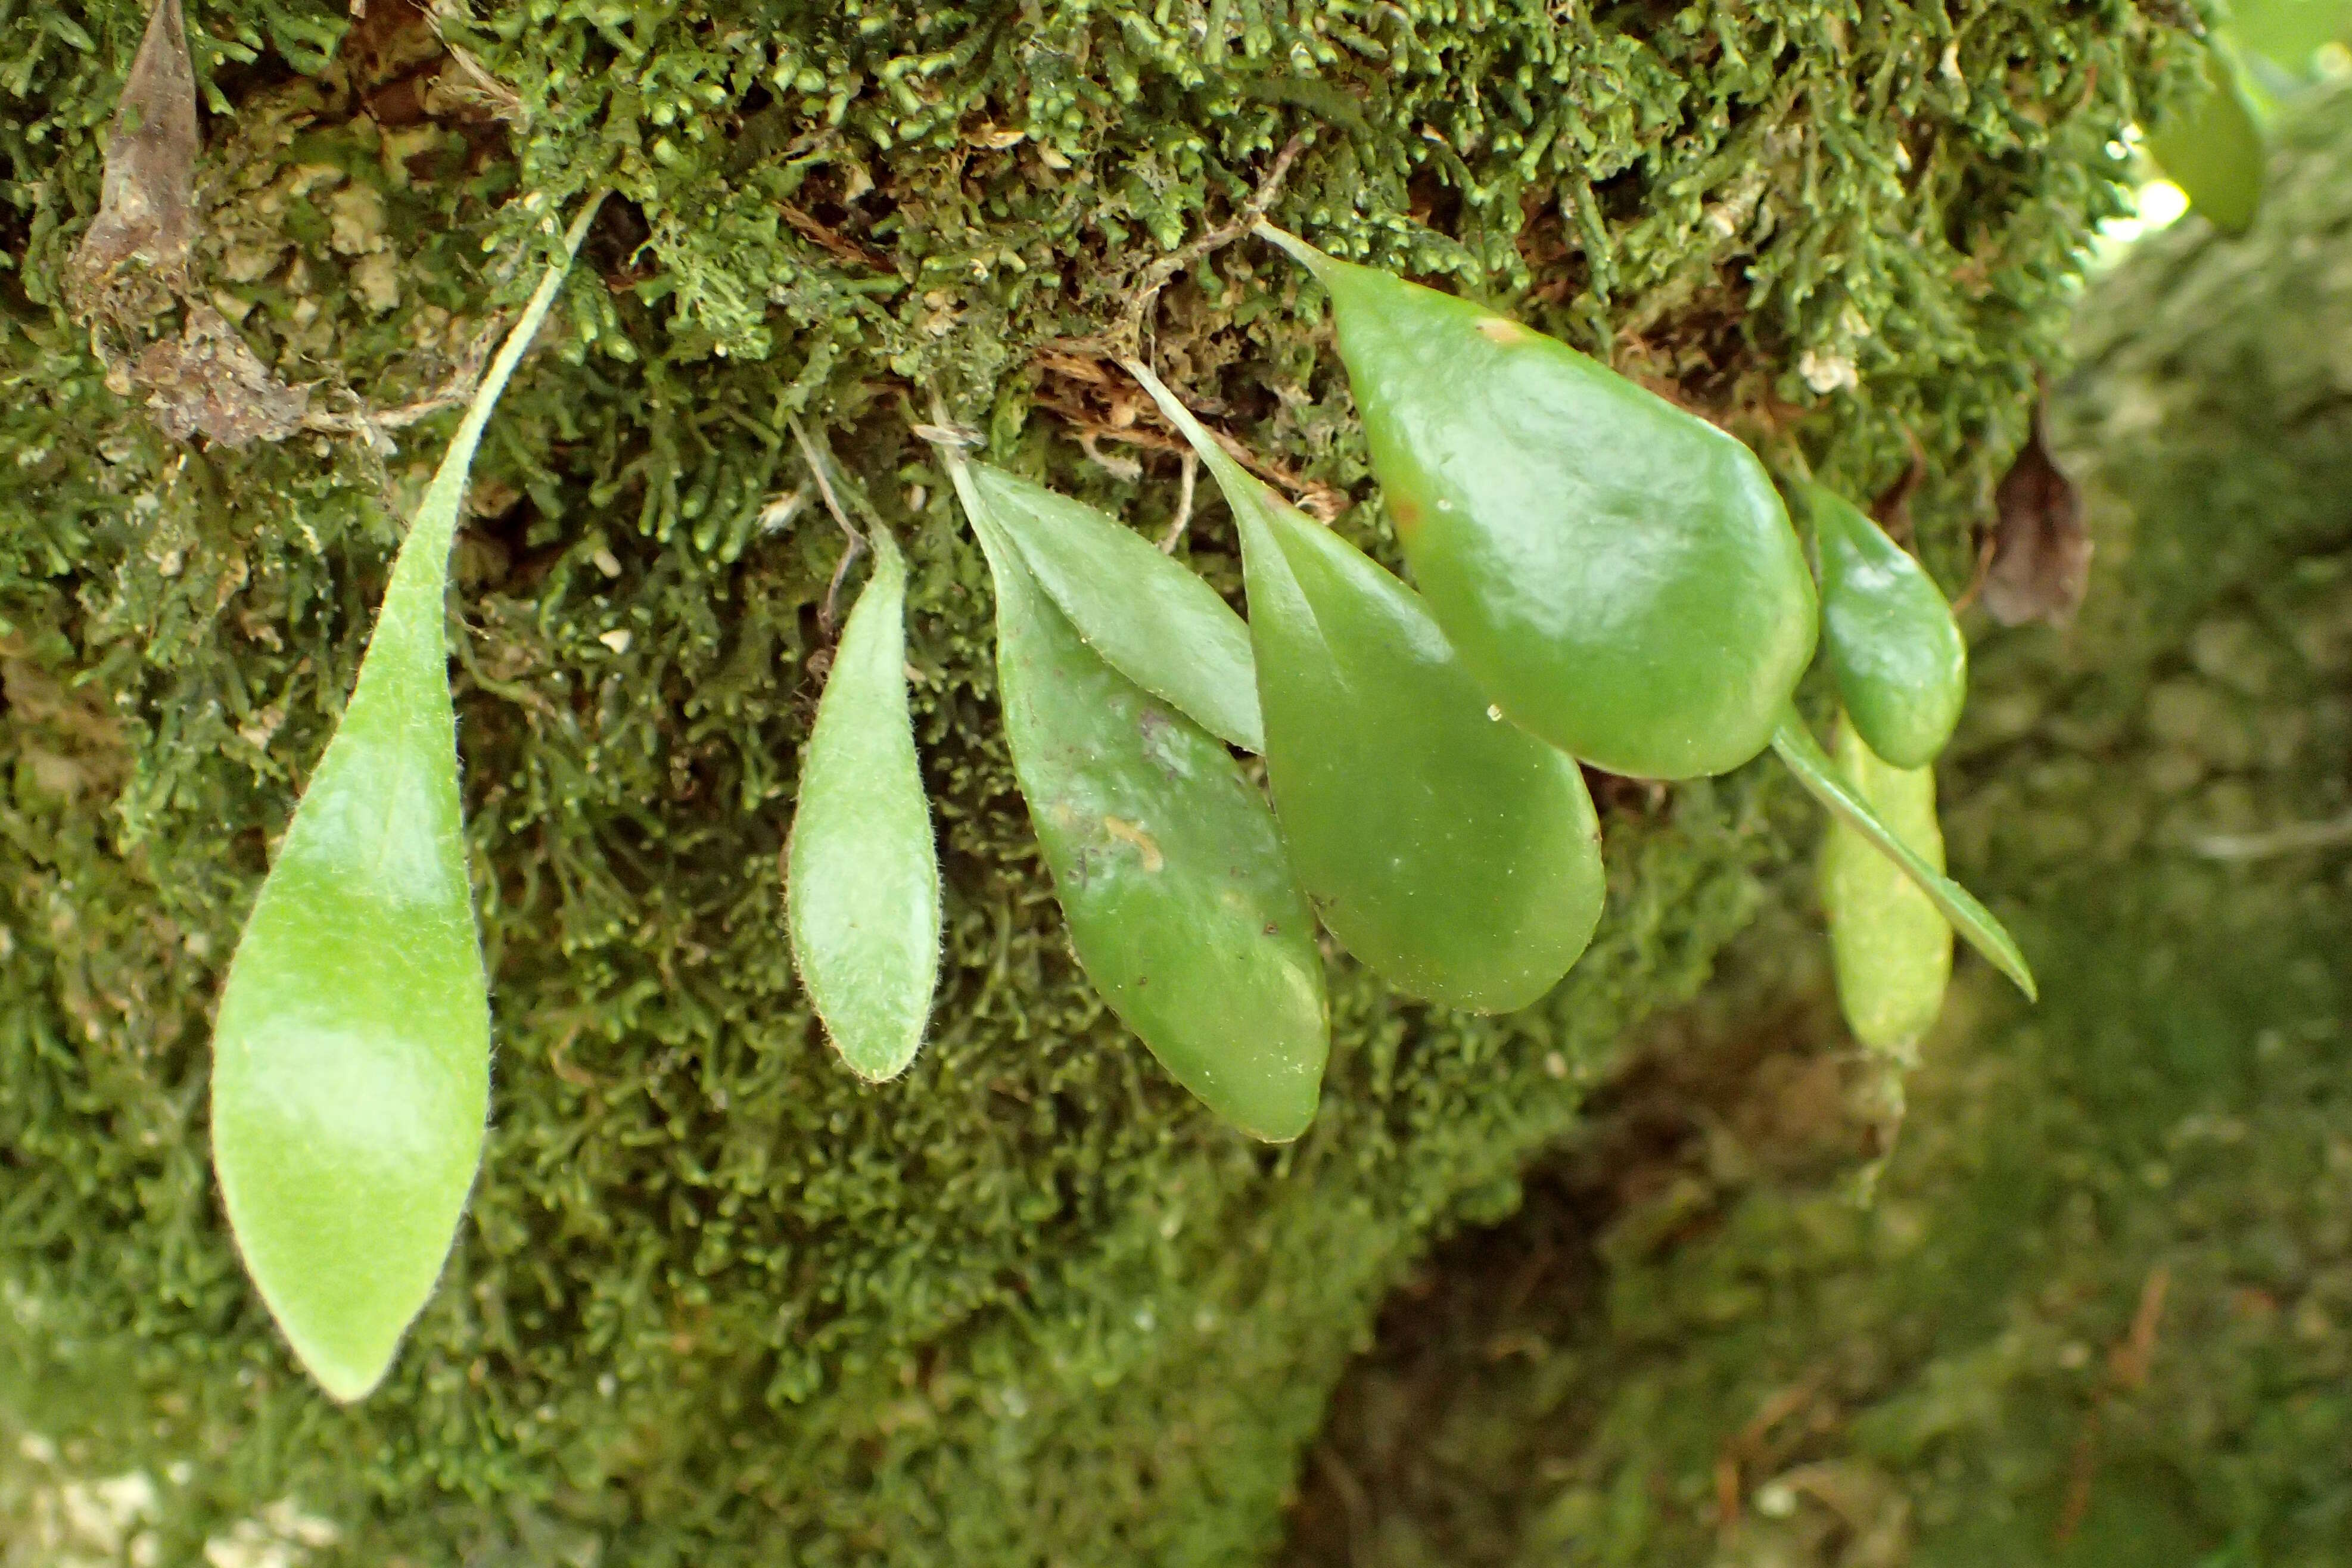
{"type": "Point", "coordinates": [1890, 947]}
{"type": "Point", "coordinates": [2213, 150]}
{"type": "Point", "coordinates": [352, 1052]}
{"type": "Point", "coordinates": [863, 886]}
{"type": "Point", "coordinates": [1804, 757]}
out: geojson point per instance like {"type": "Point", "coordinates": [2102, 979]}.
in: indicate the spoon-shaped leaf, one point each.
{"type": "Point", "coordinates": [1180, 905]}
{"type": "Point", "coordinates": [351, 1056]}
{"type": "Point", "coordinates": [864, 884]}
{"type": "Point", "coordinates": [1457, 855]}
{"type": "Point", "coordinates": [1156, 623]}
{"type": "Point", "coordinates": [2212, 148]}
{"type": "Point", "coordinates": [1891, 948]}
{"type": "Point", "coordinates": [1901, 666]}
{"type": "Point", "coordinates": [1805, 758]}
{"type": "Point", "coordinates": [1620, 576]}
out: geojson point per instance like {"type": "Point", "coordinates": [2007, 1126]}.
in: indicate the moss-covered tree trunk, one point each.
{"type": "Point", "coordinates": [716, 1301]}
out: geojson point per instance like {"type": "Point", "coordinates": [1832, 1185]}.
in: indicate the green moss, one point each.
{"type": "Point", "coordinates": [2101, 1311]}
{"type": "Point", "coordinates": [718, 1303]}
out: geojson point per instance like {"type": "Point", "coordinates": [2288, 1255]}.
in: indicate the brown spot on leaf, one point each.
{"type": "Point", "coordinates": [1499, 330]}
{"type": "Point", "coordinates": [1145, 844]}
{"type": "Point", "coordinates": [2041, 550]}
{"type": "Point", "coordinates": [206, 382]}
{"type": "Point", "coordinates": [149, 182]}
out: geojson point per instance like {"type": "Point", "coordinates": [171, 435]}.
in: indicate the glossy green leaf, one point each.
{"type": "Point", "coordinates": [1456, 854]}
{"type": "Point", "coordinates": [1902, 668]}
{"type": "Point", "coordinates": [863, 882]}
{"type": "Point", "coordinates": [1803, 754]}
{"type": "Point", "coordinates": [1620, 577]}
{"type": "Point", "coordinates": [1891, 950]}
{"type": "Point", "coordinates": [1182, 907]}
{"type": "Point", "coordinates": [350, 1056]}
{"type": "Point", "coordinates": [1156, 623]}
{"type": "Point", "coordinates": [2213, 150]}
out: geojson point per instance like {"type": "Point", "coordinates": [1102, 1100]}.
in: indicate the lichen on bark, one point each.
{"type": "Point", "coordinates": [716, 1301]}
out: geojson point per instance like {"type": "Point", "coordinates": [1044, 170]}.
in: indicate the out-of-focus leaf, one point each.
{"type": "Point", "coordinates": [1890, 947]}
{"type": "Point", "coordinates": [2041, 550]}
{"type": "Point", "coordinates": [2213, 150]}
{"type": "Point", "coordinates": [2288, 33]}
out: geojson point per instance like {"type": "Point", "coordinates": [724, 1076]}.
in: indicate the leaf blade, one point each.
{"type": "Point", "coordinates": [1180, 904]}
{"type": "Point", "coordinates": [351, 1071]}
{"type": "Point", "coordinates": [1454, 853]}
{"type": "Point", "coordinates": [1569, 529]}
{"type": "Point", "coordinates": [1890, 947]}
{"type": "Point", "coordinates": [1901, 666]}
{"type": "Point", "coordinates": [1803, 756]}
{"type": "Point", "coordinates": [862, 892]}
{"type": "Point", "coordinates": [2213, 150]}
{"type": "Point", "coordinates": [1151, 619]}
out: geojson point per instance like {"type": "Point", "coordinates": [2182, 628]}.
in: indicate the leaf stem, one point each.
{"type": "Point", "coordinates": [1803, 756]}
{"type": "Point", "coordinates": [825, 612]}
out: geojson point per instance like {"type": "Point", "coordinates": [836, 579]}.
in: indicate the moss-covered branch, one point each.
{"type": "Point", "coordinates": [717, 1302]}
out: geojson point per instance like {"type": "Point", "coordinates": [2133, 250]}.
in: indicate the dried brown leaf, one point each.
{"type": "Point", "coordinates": [2041, 550]}
{"type": "Point", "coordinates": [150, 181]}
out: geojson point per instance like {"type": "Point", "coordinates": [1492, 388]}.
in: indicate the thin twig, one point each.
{"type": "Point", "coordinates": [838, 246]}
{"type": "Point", "coordinates": [952, 439]}
{"type": "Point", "coordinates": [2129, 1362]}
{"type": "Point", "coordinates": [503, 101]}
{"type": "Point", "coordinates": [2127, 1369]}
{"type": "Point", "coordinates": [1748, 1445]}
{"type": "Point", "coordinates": [824, 614]}
{"type": "Point", "coordinates": [456, 389]}
{"type": "Point", "coordinates": [2290, 839]}
{"type": "Point", "coordinates": [2080, 1470]}
{"type": "Point", "coordinates": [1125, 470]}
{"type": "Point", "coordinates": [1976, 579]}
{"type": "Point", "coordinates": [1183, 502]}
{"type": "Point", "coordinates": [1317, 499]}
{"type": "Point", "coordinates": [1353, 1504]}
{"type": "Point", "coordinates": [1126, 336]}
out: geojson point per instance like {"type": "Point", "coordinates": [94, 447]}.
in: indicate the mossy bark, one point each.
{"type": "Point", "coordinates": [716, 1301]}
{"type": "Point", "coordinates": [2097, 1311]}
